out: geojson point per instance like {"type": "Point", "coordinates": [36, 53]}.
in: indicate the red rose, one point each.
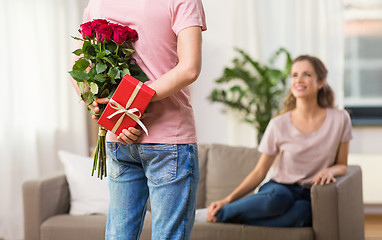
{"type": "Point", "coordinates": [86, 30]}
{"type": "Point", "coordinates": [97, 22]}
{"type": "Point", "coordinates": [103, 33]}
{"type": "Point", "coordinates": [119, 33]}
{"type": "Point", "coordinates": [132, 35]}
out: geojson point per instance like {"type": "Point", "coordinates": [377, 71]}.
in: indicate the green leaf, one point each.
{"type": "Point", "coordinates": [101, 67]}
{"type": "Point", "coordinates": [101, 78]}
{"type": "Point", "coordinates": [111, 46]}
{"type": "Point", "coordinates": [79, 76]}
{"type": "Point", "coordinates": [109, 61]}
{"type": "Point", "coordinates": [122, 73]}
{"type": "Point", "coordinates": [81, 65]}
{"type": "Point", "coordinates": [141, 78]}
{"type": "Point", "coordinates": [88, 97]}
{"type": "Point", "coordinates": [92, 73]}
{"type": "Point", "coordinates": [236, 88]}
{"type": "Point", "coordinates": [76, 38]}
{"type": "Point", "coordinates": [275, 75]}
{"type": "Point", "coordinates": [126, 71]}
{"type": "Point", "coordinates": [78, 52]}
{"type": "Point", "coordinates": [82, 86]}
{"type": "Point", "coordinates": [113, 73]}
{"type": "Point", "coordinates": [105, 93]}
{"type": "Point", "coordinates": [91, 111]}
{"type": "Point", "coordinates": [128, 51]}
{"type": "Point", "coordinates": [86, 45]}
{"type": "Point", "coordinates": [112, 93]}
{"type": "Point", "coordinates": [89, 50]}
{"type": "Point", "coordinates": [103, 53]}
{"type": "Point", "coordinates": [136, 72]}
{"type": "Point", "coordinates": [93, 88]}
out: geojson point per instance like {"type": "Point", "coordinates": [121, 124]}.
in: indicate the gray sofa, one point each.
{"type": "Point", "coordinates": [337, 208]}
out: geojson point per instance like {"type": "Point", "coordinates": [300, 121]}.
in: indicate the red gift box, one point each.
{"type": "Point", "coordinates": [127, 105]}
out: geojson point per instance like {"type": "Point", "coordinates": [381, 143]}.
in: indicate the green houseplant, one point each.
{"type": "Point", "coordinates": [253, 89]}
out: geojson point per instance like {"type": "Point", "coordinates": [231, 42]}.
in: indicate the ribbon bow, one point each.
{"type": "Point", "coordinates": [125, 111]}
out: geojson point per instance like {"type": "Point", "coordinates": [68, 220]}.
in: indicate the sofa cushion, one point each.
{"type": "Point", "coordinates": [69, 227]}
{"type": "Point", "coordinates": [227, 167]}
{"type": "Point", "coordinates": [223, 231]}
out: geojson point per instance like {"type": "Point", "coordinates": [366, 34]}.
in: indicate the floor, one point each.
{"type": "Point", "coordinates": [373, 227]}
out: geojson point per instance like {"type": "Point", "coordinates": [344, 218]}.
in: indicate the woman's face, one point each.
{"type": "Point", "coordinates": [304, 80]}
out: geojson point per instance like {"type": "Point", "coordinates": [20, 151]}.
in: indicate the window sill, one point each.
{"type": "Point", "coordinates": [365, 115]}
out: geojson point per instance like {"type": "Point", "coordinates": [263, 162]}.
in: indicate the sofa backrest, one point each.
{"type": "Point", "coordinates": [201, 193]}
{"type": "Point", "coordinates": [222, 169]}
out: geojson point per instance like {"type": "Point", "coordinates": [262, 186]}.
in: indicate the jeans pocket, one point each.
{"type": "Point", "coordinates": [160, 162]}
{"type": "Point", "coordinates": [114, 167]}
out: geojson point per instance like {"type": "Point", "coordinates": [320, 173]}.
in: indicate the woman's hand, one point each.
{"type": "Point", "coordinates": [324, 177]}
{"type": "Point", "coordinates": [214, 208]}
{"type": "Point", "coordinates": [338, 169]}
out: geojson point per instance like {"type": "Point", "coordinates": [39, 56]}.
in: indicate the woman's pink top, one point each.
{"type": "Point", "coordinates": [303, 155]}
{"type": "Point", "coordinates": [158, 22]}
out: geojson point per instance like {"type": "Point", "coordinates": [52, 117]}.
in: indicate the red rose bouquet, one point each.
{"type": "Point", "coordinates": [104, 59]}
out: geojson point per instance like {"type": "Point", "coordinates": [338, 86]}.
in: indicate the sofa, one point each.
{"type": "Point", "coordinates": [337, 208]}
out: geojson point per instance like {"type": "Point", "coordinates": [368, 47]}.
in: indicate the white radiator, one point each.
{"type": "Point", "coordinates": [371, 165]}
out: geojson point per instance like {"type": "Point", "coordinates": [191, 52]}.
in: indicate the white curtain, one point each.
{"type": "Point", "coordinates": [260, 27]}
{"type": "Point", "coordinates": [40, 112]}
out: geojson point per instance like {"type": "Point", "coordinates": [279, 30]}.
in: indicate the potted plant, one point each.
{"type": "Point", "coordinates": [253, 89]}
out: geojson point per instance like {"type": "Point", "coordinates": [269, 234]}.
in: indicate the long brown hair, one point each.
{"type": "Point", "coordinates": [325, 96]}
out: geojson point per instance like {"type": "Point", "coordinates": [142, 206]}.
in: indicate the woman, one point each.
{"type": "Point", "coordinates": [312, 141]}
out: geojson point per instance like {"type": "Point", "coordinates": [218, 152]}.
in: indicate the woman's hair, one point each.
{"type": "Point", "coordinates": [325, 96]}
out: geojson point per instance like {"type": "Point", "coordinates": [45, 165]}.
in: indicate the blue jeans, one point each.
{"type": "Point", "coordinates": [169, 174]}
{"type": "Point", "coordinates": [275, 205]}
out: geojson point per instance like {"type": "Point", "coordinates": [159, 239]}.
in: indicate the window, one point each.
{"type": "Point", "coordinates": [363, 61]}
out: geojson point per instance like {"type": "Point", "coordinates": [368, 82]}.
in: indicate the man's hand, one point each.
{"type": "Point", "coordinates": [94, 106]}
{"type": "Point", "coordinates": [129, 136]}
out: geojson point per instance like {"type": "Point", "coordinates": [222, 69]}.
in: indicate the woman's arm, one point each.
{"type": "Point", "coordinates": [248, 184]}
{"type": "Point", "coordinates": [339, 168]}
{"type": "Point", "coordinates": [189, 48]}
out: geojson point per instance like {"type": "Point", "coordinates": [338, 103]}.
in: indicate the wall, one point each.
{"type": "Point", "coordinates": [367, 140]}
{"type": "Point", "coordinates": [366, 151]}
{"type": "Point", "coordinates": [210, 121]}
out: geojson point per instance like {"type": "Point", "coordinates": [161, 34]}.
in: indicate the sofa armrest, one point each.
{"type": "Point", "coordinates": [42, 198]}
{"type": "Point", "coordinates": [337, 208]}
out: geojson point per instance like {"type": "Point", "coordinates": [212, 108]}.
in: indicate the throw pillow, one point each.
{"type": "Point", "coordinates": [88, 194]}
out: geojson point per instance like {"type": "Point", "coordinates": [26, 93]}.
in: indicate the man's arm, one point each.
{"type": "Point", "coordinates": [188, 68]}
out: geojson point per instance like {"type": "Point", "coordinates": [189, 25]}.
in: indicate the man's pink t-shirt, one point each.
{"type": "Point", "coordinates": [303, 155]}
{"type": "Point", "coordinates": [158, 22]}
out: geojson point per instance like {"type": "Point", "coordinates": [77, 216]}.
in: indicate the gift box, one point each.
{"type": "Point", "coordinates": [126, 106]}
